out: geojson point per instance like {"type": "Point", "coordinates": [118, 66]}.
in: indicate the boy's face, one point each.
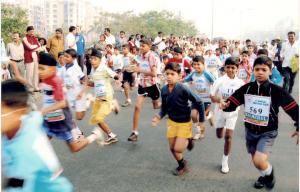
{"type": "Point", "coordinates": [46, 71]}
{"type": "Point", "coordinates": [125, 50]}
{"type": "Point", "coordinates": [231, 70]}
{"type": "Point", "coordinates": [262, 72]}
{"type": "Point", "coordinates": [245, 57]}
{"type": "Point", "coordinates": [95, 61]}
{"type": "Point", "coordinates": [61, 59]}
{"type": "Point", "coordinates": [171, 76]}
{"type": "Point", "coordinates": [198, 66]}
{"type": "Point", "coordinates": [144, 48]}
{"type": "Point", "coordinates": [166, 60]}
{"type": "Point", "coordinates": [68, 59]}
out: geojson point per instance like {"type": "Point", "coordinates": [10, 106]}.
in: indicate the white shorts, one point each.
{"type": "Point", "coordinates": [226, 119]}
{"type": "Point", "coordinates": [78, 105]}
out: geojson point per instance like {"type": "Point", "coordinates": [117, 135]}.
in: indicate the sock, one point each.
{"type": "Point", "coordinates": [196, 127]}
{"type": "Point", "coordinates": [91, 138]}
{"type": "Point", "coordinates": [180, 163]}
{"type": "Point", "coordinates": [129, 100]}
{"type": "Point", "coordinates": [135, 132]}
{"type": "Point", "coordinates": [267, 171]}
{"type": "Point", "coordinates": [225, 159]}
{"type": "Point", "coordinates": [111, 134]}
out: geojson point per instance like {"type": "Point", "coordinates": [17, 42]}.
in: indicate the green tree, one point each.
{"type": "Point", "coordinates": [148, 23]}
{"type": "Point", "coordinates": [13, 19]}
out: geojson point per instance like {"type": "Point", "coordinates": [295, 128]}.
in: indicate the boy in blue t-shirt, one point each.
{"type": "Point", "coordinates": [30, 163]}
{"type": "Point", "coordinates": [201, 82]}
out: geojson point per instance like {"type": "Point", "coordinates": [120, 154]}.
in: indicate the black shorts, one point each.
{"type": "Point", "coordinates": [129, 78]}
{"type": "Point", "coordinates": [153, 91]}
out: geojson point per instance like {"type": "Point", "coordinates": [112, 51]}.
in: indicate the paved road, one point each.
{"type": "Point", "coordinates": [147, 164]}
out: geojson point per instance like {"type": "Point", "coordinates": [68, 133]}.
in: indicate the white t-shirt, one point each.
{"type": "Point", "coordinates": [212, 64]}
{"type": "Point", "coordinates": [117, 62]}
{"type": "Point", "coordinates": [70, 40]}
{"type": "Point", "coordinates": [288, 51]}
{"type": "Point", "coordinates": [72, 74]}
{"type": "Point", "coordinates": [110, 40]}
{"type": "Point", "coordinates": [224, 87]}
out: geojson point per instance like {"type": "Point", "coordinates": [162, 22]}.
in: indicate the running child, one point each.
{"type": "Point", "coordinates": [104, 102]}
{"type": "Point", "coordinates": [245, 69]}
{"type": "Point", "coordinates": [262, 100]}
{"type": "Point", "coordinates": [29, 161]}
{"type": "Point", "coordinates": [225, 121]}
{"type": "Point", "coordinates": [175, 104]}
{"type": "Point", "coordinates": [128, 73]}
{"type": "Point", "coordinates": [57, 115]}
{"type": "Point", "coordinates": [201, 80]}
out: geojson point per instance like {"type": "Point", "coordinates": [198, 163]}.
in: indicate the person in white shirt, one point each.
{"type": "Point", "coordinates": [110, 39]}
{"type": "Point", "coordinates": [70, 42]}
{"type": "Point", "coordinates": [212, 62]}
{"type": "Point", "coordinates": [289, 50]}
{"type": "Point", "coordinates": [221, 90]}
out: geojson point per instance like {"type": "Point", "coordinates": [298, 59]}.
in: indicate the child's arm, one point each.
{"type": "Point", "coordinates": [163, 111]}
{"type": "Point", "coordinates": [58, 105]}
{"type": "Point", "coordinates": [235, 100]}
{"type": "Point", "coordinates": [189, 77]}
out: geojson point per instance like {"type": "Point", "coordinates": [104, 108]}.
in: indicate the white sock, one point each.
{"type": "Point", "coordinates": [111, 134]}
{"type": "Point", "coordinates": [135, 132]}
{"type": "Point", "coordinates": [267, 171]}
{"type": "Point", "coordinates": [91, 138]}
{"type": "Point", "coordinates": [225, 159]}
{"type": "Point", "coordinates": [129, 100]}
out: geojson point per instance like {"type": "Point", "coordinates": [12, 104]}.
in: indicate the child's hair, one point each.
{"type": "Point", "coordinates": [262, 52]}
{"type": "Point", "coordinates": [174, 67]}
{"type": "Point", "coordinates": [245, 52]}
{"type": "Point", "coordinates": [109, 45]}
{"type": "Point", "coordinates": [263, 60]}
{"type": "Point", "coordinates": [199, 58]}
{"type": "Point", "coordinates": [60, 53]}
{"type": "Point", "coordinates": [165, 57]}
{"type": "Point", "coordinates": [72, 28]}
{"type": "Point", "coordinates": [125, 46]}
{"type": "Point", "coordinates": [14, 93]}
{"type": "Point", "coordinates": [232, 61]}
{"type": "Point", "coordinates": [71, 52]}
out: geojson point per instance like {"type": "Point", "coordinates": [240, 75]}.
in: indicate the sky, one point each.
{"type": "Point", "coordinates": [231, 18]}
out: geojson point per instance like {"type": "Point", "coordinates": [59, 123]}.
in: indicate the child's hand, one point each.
{"type": "Point", "coordinates": [136, 69]}
{"type": "Point", "coordinates": [296, 134]}
{"type": "Point", "coordinates": [155, 120]}
{"type": "Point", "coordinates": [79, 96]}
{"type": "Point", "coordinates": [223, 104]}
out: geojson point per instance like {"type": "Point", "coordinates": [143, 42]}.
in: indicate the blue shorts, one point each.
{"type": "Point", "coordinates": [261, 142]}
{"type": "Point", "coordinates": [61, 129]}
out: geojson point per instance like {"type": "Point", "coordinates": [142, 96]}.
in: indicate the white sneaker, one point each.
{"type": "Point", "coordinates": [225, 168]}
{"type": "Point", "coordinates": [100, 136]}
{"type": "Point", "coordinates": [197, 136]}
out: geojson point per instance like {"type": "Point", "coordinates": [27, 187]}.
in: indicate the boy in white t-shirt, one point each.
{"type": "Point", "coordinates": [212, 62]}
{"type": "Point", "coordinates": [74, 80]}
{"type": "Point", "coordinates": [221, 90]}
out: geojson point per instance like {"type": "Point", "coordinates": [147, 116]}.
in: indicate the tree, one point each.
{"type": "Point", "coordinates": [13, 19]}
{"type": "Point", "coordinates": [148, 23]}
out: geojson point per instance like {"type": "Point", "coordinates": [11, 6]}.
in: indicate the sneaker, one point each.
{"type": "Point", "coordinates": [100, 136]}
{"type": "Point", "coordinates": [133, 137]}
{"type": "Point", "coordinates": [197, 136]}
{"type": "Point", "coordinates": [116, 107]}
{"type": "Point", "coordinates": [110, 140]}
{"type": "Point", "coordinates": [225, 168]}
{"type": "Point", "coordinates": [260, 183]}
{"type": "Point", "coordinates": [127, 103]}
{"type": "Point", "coordinates": [190, 144]}
{"type": "Point", "coordinates": [202, 135]}
{"type": "Point", "coordinates": [179, 171]}
{"type": "Point", "coordinates": [270, 180]}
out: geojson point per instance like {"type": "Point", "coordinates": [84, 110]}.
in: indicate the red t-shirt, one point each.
{"type": "Point", "coordinates": [57, 85]}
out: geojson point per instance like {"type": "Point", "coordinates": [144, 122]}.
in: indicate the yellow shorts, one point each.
{"type": "Point", "coordinates": [183, 130]}
{"type": "Point", "coordinates": [100, 110]}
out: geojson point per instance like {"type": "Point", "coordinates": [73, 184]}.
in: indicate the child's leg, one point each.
{"type": "Point", "coordinates": [179, 147]}
{"type": "Point", "coordinates": [80, 115]}
{"type": "Point", "coordinates": [220, 132]}
{"type": "Point", "coordinates": [228, 141]}
{"type": "Point", "coordinates": [77, 145]}
{"type": "Point", "coordinates": [171, 145]}
{"type": "Point", "coordinates": [156, 104]}
{"type": "Point", "coordinates": [137, 111]}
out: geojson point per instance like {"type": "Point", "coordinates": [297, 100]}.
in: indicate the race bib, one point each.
{"type": "Point", "coordinates": [242, 74]}
{"type": "Point", "coordinates": [257, 109]}
{"type": "Point", "coordinates": [100, 88]}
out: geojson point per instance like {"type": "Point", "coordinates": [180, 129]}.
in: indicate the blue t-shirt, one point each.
{"type": "Point", "coordinates": [30, 156]}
